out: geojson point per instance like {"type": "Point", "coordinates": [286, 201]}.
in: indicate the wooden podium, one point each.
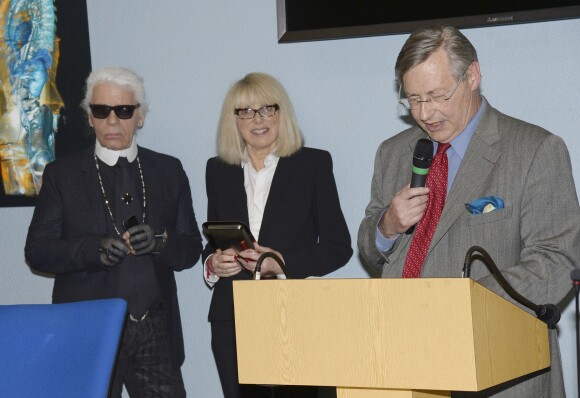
{"type": "Point", "coordinates": [384, 337]}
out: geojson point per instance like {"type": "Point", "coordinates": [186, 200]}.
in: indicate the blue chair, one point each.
{"type": "Point", "coordinates": [59, 350]}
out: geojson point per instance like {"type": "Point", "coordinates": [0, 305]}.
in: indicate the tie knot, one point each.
{"type": "Point", "coordinates": [442, 148]}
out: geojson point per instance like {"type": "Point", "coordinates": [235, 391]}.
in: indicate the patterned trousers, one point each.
{"type": "Point", "coordinates": [144, 362]}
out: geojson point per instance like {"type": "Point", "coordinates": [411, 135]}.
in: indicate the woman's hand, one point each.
{"type": "Point", "coordinates": [224, 264]}
{"type": "Point", "coordinates": [270, 267]}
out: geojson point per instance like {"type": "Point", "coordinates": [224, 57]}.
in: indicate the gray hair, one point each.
{"type": "Point", "coordinates": [265, 90]}
{"type": "Point", "coordinates": [120, 76]}
{"type": "Point", "coordinates": [425, 41]}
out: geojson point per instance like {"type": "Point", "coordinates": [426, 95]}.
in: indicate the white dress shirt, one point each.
{"type": "Point", "coordinates": [257, 185]}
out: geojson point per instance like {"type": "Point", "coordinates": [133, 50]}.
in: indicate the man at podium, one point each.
{"type": "Point", "coordinates": [493, 181]}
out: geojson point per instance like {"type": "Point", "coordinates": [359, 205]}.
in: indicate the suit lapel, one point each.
{"type": "Point", "coordinates": [154, 193]}
{"type": "Point", "coordinates": [276, 195]}
{"type": "Point", "coordinates": [238, 194]}
{"type": "Point", "coordinates": [92, 188]}
{"type": "Point", "coordinates": [482, 153]}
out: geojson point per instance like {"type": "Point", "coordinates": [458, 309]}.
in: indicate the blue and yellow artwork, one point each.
{"type": "Point", "coordinates": [31, 103]}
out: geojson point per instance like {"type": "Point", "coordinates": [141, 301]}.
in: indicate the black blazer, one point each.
{"type": "Point", "coordinates": [70, 219]}
{"type": "Point", "coordinates": [302, 218]}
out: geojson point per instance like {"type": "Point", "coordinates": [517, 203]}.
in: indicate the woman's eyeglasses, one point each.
{"type": "Point", "coordinates": [121, 111]}
{"type": "Point", "coordinates": [249, 113]}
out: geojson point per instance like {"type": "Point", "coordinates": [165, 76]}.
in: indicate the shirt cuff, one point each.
{"type": "Point", "coordinates": [208, 275]}
{"type": "Point", "coordinates": [382, 243]}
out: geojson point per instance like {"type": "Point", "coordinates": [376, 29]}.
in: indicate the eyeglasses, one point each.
{"type": "Point", "coordinates": [121, 111]}
{"type": "Point", "coordinates": [415, 101]}
{"type": "Point", "coordinates": [249, 113]}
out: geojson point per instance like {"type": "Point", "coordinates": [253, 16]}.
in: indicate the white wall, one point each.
{"type": "Point", "coordinates": [191, 51]}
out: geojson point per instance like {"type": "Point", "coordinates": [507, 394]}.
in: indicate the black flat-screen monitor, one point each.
{"type": "Point", "coordinates": [306, 20]}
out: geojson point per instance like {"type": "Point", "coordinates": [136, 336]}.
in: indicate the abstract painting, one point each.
{"type": "Point", "coordinates": [44, 60]}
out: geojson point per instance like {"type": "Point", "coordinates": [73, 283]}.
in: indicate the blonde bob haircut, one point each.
{"type": "Point", "coordinates": [261, 89]}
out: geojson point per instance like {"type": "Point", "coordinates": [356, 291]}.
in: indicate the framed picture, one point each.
{"type": "Point", "coordinates": [307, 20]}
{"type": "Point", "coordinates": [45, 59]}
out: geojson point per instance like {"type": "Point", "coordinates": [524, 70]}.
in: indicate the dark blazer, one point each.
{"type": "Point", "coordinates": [302, 218]}
{"type": "Point", "coordinates": [70, 219]}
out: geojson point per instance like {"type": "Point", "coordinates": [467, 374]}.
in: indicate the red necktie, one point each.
{"type": "Point", "coordinates": [437, 183]}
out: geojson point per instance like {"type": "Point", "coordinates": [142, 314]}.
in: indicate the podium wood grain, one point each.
{"type": "Point", "coordinates": [437, 335]}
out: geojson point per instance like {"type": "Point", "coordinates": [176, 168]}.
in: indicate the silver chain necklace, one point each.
{"type": "Point", "coordinates": [107, 200]}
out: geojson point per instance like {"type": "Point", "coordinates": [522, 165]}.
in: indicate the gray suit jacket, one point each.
{"type": "Point", "coordinates": [534, 239]}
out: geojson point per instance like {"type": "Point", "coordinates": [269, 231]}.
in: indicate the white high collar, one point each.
{"type": "Point", "coordinates": [110, 156]}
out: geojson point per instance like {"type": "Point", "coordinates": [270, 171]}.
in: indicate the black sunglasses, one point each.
{"type": "Point", "coordinates": [122, 111]}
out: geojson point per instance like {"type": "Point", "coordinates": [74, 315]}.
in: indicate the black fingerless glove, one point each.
{"type": "Point", "coordinates": [144, 241]}
{"type": "Point", "coordinates": [112, 251]}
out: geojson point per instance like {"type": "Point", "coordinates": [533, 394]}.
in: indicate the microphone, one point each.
{"type": "Point", "coordinates": [575, 275]}
{"type": "Point", "coordinates": [422, 158]}
{"type": "Point", "coordinates": [547, 313]}
{"type": "Point", "coordinates": [258, 269]}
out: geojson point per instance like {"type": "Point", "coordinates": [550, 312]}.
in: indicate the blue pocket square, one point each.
{"type": "Point", "coordinates": [484, 205]}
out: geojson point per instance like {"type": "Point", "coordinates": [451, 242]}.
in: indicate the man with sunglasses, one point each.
{"type": "Point", "coordinates": [495, 182]}
{"type": "Point", "coordinates": [117, 220]}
